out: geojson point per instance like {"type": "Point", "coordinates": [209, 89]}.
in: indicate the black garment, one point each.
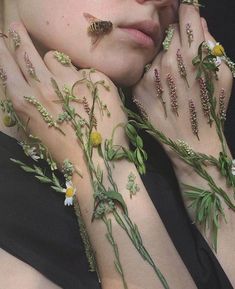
{"type": "Point", "coordinates": [37, 228]}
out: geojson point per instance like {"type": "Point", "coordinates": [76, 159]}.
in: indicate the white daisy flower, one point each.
{"type": "Point", "coordinates": [217, 50]}
{"type": "Point", "coordinates": [69, 193]}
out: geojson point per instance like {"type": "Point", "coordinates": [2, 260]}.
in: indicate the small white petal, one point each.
{"type": "Point", "coordinates": [218, 61]}
{"type": "Point", "coordinates": [211, 44]}
{"type": "Point", "coordinates": [68, 201]}
{"type": "Point", "coordinates": [69, 184]}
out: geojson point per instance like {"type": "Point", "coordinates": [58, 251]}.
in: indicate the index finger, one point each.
{"type": "Point", "coordinates": [189, 16]}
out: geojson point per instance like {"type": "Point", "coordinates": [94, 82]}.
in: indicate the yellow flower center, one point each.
{"type": "Point", "coordinates": [96, 138]}
{"type": "Point", "coordinates": [69, 192]}
{"type": "Point", "coordinates": [218, 50]}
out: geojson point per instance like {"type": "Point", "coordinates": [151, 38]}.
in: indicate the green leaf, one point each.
{"type": "Point", "coordinates": [118, 268]}
{"type": "Point", "coordinates": [139, 156]}
{"type": "Point", "coordinates": [28, 169]}
{"type": "Point", "coordinates": [131, 131]}
{"type": "Point", "coordinates": [60, 190]}
{"type": "Point", "coordinates": [139, 142]}
{"type": "Point", "coordinates": [115, 196]}
{"type": "Point", "coordinates": [55, 180]}
{"type": "Point", "coordinates": [43, 179]}
{"type": "Point", "coordinates": [38, 170]}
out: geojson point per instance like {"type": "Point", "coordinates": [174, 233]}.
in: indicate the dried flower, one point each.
{"type": "Point", "coordinates": [62, 58]}
{"type": "Point", "coordinates": [186, 147]}
{"type": "Point", "coordinates": [96, 138]}
{"type": "Point", "coordinates": [30, 151]}
{"type": "Point", "coordinates": [131, 186]}
{"type": "Point", "coordinates": [159, 89]}
{"type": "Point", "coordinates": [193, 118]}
{"type": "Point", "coordinates": [86, 105]}
{"type": "Point", "coordinates": [189, 32]}
{"type": "Point", "coordinates": [205, 101]}
{"type": "Point", "coordinates": [30, 67]}
{"type": "Point", "coordinates": [173, 95]}
{"type": "Point", "coordinates": [181, 66]}
{"type": "Point", "coordinates": [15, 38]}
{"type": "Point", "coordinates": [141, 108]}
{"type": "Point", "coordinates": [222, 110]}
{"type": "Point", "coordinates": [169, 36]}
{"type": "Point", "coordinates": [3, 77]}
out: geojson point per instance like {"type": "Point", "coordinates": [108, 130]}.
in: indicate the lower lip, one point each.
{"type": "Point", "coordinates": [139, 37]}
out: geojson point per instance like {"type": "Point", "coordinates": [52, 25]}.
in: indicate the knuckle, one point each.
{"type": "Point", "coordinates": [169, 63]}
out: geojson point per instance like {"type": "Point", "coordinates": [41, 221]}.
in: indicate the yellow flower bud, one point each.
{"type": "Point", "coordinates": [8, 121]}
{"type": "Point", "coordinates": [96, 138]}
{"type": "Point", "coordinates": [218, 50]}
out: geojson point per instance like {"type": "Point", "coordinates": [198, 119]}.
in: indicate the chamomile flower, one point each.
{"type": "Point", "coordinates": [217, 50]}
{"type": "Point", "coordinates": [69, 193]}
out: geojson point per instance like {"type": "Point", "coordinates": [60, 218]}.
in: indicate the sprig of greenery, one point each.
{"type": "Point", "coordinates": [41, 176]}
{"type": "Point", "coordinates": [107, 199]}
{"type": "Point", "coordinates": [198, 162]}
{"type": "Point", "coordinates": [205, 63]}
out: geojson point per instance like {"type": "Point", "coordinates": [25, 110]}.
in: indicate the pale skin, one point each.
{"type": "Point", "coordinates": [155, 236]}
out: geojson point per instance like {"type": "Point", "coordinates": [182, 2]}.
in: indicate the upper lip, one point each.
{"type": "Point", "coordinates": [148, 27]}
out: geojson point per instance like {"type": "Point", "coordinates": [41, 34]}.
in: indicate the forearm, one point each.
{"type": "Point", "coordinates": [226, 232]}
{"type": "Point", "coordinates": [155, 238]}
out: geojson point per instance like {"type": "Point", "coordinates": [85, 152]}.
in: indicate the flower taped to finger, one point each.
{"type": "Point", "coordinates": [210, 53]}
{"type": "Point", "coordinates": [169, 36]}
{"type": "Point", "coordinates": [3, 78]}
{"type": "Point", "coordinates": [30, 68]}
{"type": "Point", "coordinates": [181, 67]}
{"type": "Point", "coordinates": [62, 58]}
{"type": "Point", "coordinates": [14, 35]}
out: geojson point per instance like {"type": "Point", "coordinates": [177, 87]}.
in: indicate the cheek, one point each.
{"type": "Point", "coordinates": [58, 29]}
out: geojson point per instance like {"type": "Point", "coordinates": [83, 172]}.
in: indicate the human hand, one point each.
{"type": "Point", "coordinates": [177, 124]}
{"type": "Point", "coordinates": [29, 75]}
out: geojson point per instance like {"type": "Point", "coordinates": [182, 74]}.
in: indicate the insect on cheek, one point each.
{"type": "Point", "coordinates": [97, 27]}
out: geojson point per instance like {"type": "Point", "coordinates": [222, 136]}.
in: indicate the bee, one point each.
{"type": "Point", "coordinates": [97, 27]}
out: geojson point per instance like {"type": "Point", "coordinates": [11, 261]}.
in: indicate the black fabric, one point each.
{"type": "Point", "coordinates": [37, 228]}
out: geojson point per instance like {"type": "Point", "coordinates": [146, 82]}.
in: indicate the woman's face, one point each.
{"type": "Point", "coordinates": [121, 54]}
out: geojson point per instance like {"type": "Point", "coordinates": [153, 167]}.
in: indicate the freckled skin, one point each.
{"type": "Point", "coordinates": [118, 57]}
